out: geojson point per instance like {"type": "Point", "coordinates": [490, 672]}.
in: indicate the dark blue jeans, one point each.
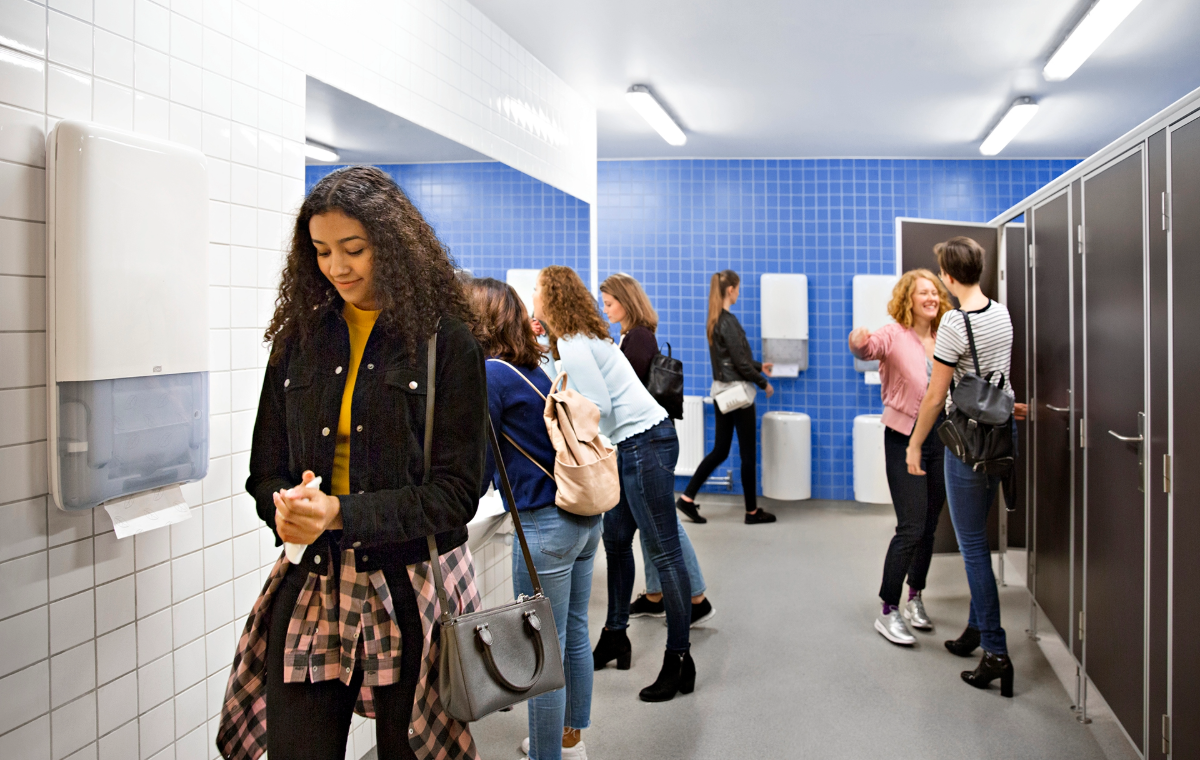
{"type": "Point", "coordinates": [971, 495]}
{"type": "Point", "coordinates": [647, 463]}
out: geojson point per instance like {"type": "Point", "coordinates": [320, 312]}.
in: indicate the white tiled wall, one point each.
{"type": "Point", "coordinates": [119, 649]}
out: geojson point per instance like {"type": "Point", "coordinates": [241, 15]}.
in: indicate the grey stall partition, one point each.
{"type": "Point", "coordinates": [1114, 372]}
{"type": "Point", "coordinates": [1184, 482]}
{"type": "Point", "coordinates": [1051, 407]}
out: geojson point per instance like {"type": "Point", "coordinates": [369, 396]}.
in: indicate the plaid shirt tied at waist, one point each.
{"type": "Point", "coordinates": [339, 624]}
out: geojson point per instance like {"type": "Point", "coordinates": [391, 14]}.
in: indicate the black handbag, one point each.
{"type": "Point", "coordinates": [665, 382]}
{"type": "Point", "coordinates": [491, 659]}
{"type": "Point", "coordinates": [980, 431]}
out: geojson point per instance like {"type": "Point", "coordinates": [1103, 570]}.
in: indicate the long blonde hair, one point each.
{"type": "Point", "coordinates": [721, 283]}
{"type": "Point", "coordinates": [633, 299]}
{"type": "Point", "coordinates": [900, 307]}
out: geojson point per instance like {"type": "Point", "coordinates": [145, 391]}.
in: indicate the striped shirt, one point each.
{"type": "Point", "coordinates": [993, 333]}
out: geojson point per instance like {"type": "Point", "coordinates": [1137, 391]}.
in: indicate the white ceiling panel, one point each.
{"type": "Point", "coordinates": [927, 78]}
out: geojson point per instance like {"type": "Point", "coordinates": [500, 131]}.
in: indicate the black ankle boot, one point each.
{"type": "Point", "coordinates": [678, 675]}
{"type": "Point", "coordinates": [991, 667]}
{"type": "Point", "coordinates": [613, 645]}
{"type": "Point", "coordinates": [965, 644]}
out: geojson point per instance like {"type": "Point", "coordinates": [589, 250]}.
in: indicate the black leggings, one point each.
{"type": "Point", "coordinates": [307, 721]}
{"type": "Point", "coordinates": [918, 500]}
{"type": "Point", "coordinates": [743, 420]}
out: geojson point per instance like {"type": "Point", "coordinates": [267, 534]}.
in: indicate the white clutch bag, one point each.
{"type": "Point", "coordinates": [733, 398]}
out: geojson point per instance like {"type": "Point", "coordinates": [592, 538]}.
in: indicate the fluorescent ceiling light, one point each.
{"type": "Point", "coordinates": [1088, 34]}
{"type": "Point", "coordinates": [644, 102]}
{"type": "Point", "coordinates": [1019, 114]}
{"type": "Point", "coordinates": [318, 152]}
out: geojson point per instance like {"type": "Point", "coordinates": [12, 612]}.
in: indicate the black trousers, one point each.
{"type": "Point", "coordinates": [918, 500]}
{"type": "Point", "coordinates": [311, 721]}
{"type": "Point", "coordinates": [743, 421]}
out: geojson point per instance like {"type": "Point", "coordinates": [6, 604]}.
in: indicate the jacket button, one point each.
{"type": "Point", "coordinates": [359, 428]}
{"type": "Point", "coordinates": [370, 366]}
{"type": "Point", "coordinates": [410, 732]}
{"type": "Point", "coordinates": [413, 385]}
{"type": "Point", "coordinates": [286, 383]}
{"type": "Point", "coordinates": [317, 559]}
{"type": "Point", "coordinates": [337, 371]}
{"type": "Point", "coordinates": [361, 491]}
{"type": "Point", "coordinates": [324, 431]}
{"type": "Point", "coordinates": [357, 544]}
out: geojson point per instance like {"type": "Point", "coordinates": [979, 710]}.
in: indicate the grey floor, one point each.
{"type": "Point", "coordinates": [791, 666]}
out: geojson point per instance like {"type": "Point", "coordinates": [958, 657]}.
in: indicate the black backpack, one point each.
{"type": "Point", "coordinates": [665, 382]}
{"type": "Point", "coordinates": [980, 429]}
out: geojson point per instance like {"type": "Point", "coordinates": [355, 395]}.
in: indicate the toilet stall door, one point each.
{"type": "Point", "coordinates": [1185, 438]}
{"type": "Point", "coordinates": [1051, 406]}
{"type": "Point", "coordinates": [1114, 372]}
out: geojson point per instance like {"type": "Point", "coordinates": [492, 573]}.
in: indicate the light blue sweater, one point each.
{"type": "Point", "coordinates": [598, 371]}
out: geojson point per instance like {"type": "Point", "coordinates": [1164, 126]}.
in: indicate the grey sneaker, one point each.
{"type": "Point", "coordinates": [914, 613]}
{"type": "Point", "coordinates": [891, 626]}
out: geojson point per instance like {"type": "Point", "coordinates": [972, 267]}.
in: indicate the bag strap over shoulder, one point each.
{"type": "Point", "coordinates": [514, 369]}
{"type": "Point", "coordinates": [971, 341]}
{"type": "Point", "coordinates": [435, 563]}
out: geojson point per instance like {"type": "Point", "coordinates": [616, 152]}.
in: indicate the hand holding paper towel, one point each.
{"type": "Point", "coordinates": [295, 552]}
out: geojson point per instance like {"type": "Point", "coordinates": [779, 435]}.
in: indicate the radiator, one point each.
{"type": "Point", "coordinates": [691, 436]}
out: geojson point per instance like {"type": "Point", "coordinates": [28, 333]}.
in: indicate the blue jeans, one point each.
{"type": "Point", "coordinates": [654, 584]}
{"type": "Point", "coordinates": [971, 495]}
{"type": "Point", "coordinates": [647, 464]}
{"type": "Point", "coordinates": [563, 547]}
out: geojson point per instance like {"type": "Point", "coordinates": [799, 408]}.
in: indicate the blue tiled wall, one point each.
{"type": "Point", "coordinates": [672, 224]}
{"type": "Point", "coordinates": [491, 217]}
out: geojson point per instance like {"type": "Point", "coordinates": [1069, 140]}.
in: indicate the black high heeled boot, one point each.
{"type": "Point", "coordinates": [678, 676]}
{"type": "Point", "coordinates": [965, 644]}
{"type": "Point", "coordinates": [613, 645]}
{"type": "Point", "coordinates": [991, 667]}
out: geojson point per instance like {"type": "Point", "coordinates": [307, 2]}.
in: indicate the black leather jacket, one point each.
{"type": "Point", "coordinates": [388, 513]}
{"type": "Point", "coordinates": [730, 353]}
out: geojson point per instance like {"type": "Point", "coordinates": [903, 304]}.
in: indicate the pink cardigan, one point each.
{"type": "Point", "coordinates": [902, 375]}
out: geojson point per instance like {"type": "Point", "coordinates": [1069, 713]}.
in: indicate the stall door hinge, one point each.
{"type": "Point", "coordinates": [1166, 734]}
{"type": "Point", "coordinates": [1032, 256]}
{"type": "Point", "coordinates": [1083, 432]}
{"type": "Point", "coordinates": [1079, 239]}
{"type": "Point", "coordinates": [1082, 625]}
{"type": "Point", "coordinates": [1166, 211]}
{"type": "Point", "coordinates": [1166, 473]}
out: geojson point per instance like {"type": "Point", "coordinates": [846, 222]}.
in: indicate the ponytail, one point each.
{"type": "Point", "coordinates": [721, 283]}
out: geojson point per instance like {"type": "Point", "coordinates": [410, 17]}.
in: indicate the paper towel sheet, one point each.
{"type": "Point", "coordinates": [147, 511]}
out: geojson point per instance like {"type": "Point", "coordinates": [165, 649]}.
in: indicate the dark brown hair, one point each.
{"type": "Point", "coordinates": [721, 283]}
{"type": "Point", "coordinates": [633, 299]}
{"type": "Point", "coordinates": [568, 308]}
{"type": "Point", "coordinates": [961, 258]}
{"type": "Point", "coordinates": [502, 324]}
{"type": "Point", "coordinates": [412, 274]}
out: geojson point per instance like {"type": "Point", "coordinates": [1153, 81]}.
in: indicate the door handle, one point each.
{"type": "Point", "coordinates": [1054, 408]}
{"type": "Point", "coordinates": [1127, 438]}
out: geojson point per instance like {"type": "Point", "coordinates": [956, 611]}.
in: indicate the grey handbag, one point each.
{"type": "Point", "coordinates": [491, 659]}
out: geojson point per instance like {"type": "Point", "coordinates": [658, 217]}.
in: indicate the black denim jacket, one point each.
{"type": "Point", "coordinates": [388, 513]}
{"type": "Point", "coordinates": [730, 353]}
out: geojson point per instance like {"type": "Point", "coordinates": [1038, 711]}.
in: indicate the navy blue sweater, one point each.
{"type": "Point", "coordinates": [517, 412]}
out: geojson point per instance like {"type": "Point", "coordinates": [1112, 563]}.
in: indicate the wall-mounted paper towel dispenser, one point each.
{"type": "Point", "coordinates": [871, 295]}
{"type": "Point", "coordinates": [784, 309]}
{"type": "Point", "coordinates": [127, 314]}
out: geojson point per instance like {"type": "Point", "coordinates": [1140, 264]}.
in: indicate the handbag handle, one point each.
{"type": "Point", "coordinates": [435, 562]}
{"type": "Point", "coordinates": [971, 341]}
{"type": "Point", "coordinates": [485, 638]}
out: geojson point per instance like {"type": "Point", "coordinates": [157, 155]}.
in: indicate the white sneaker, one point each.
{"type": "Point", "coordinates": [892, 627]}
{"type": "Point", "coordinates": [578, 752]}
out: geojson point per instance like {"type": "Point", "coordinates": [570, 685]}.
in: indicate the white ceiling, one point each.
{"type": "Point", "coordinates": [363, 133]}
{"type": "Point", "coordinates": [803, 78]}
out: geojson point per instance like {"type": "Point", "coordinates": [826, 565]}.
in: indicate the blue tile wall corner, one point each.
{"type": "Point", "coordinates": [491, 217]}
{"type": "Point", "coordinates": [673, 223]}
